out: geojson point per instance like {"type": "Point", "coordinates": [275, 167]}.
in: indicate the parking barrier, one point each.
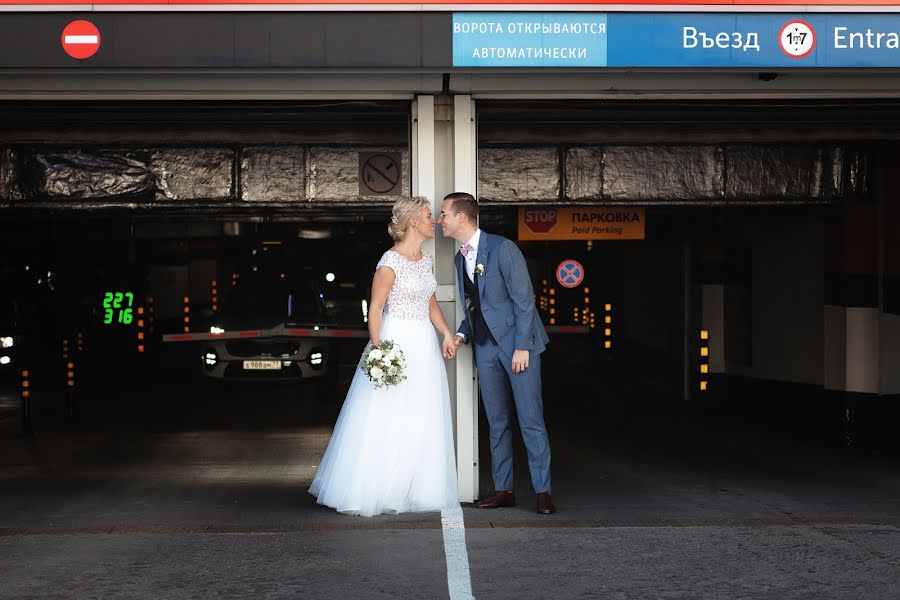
{"type": "Point", "coordinates": [280, 331]}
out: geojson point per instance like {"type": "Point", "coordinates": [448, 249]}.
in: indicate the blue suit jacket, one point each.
{"type": "Point", "coordinates": [507, 298]}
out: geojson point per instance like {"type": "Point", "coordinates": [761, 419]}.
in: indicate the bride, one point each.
{"type": "Point", "coordinates": [392, 447]}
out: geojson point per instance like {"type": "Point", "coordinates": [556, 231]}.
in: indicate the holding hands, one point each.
{"type": "Point", "coordinates": [450, 344]}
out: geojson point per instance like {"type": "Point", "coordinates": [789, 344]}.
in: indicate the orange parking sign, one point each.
{"type": "Point", "coordinates": [582, 223]}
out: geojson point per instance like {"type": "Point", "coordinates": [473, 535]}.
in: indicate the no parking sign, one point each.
{"type": "Point", "coordinates": [570, 273]}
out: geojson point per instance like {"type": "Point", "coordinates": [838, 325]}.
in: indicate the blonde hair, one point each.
{"type": "Point", "coordinates": [405, 210]}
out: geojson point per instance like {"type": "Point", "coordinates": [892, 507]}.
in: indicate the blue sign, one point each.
{"type": "Point", "coordinates": [675, 40]}
{"type": "Point", "coordinates": [529, 39]}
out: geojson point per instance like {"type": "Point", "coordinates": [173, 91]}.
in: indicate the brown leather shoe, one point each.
{"type": "Point", "coordinates": [499, 499]}
{"type": "Point", "coordinates": [545, 504]}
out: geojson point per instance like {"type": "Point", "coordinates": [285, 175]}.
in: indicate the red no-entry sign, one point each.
{"type": "Point", "coordinates": [81, 39]}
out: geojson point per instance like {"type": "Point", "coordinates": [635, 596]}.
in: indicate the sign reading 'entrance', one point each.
{"type": "Point", "coordinates": [581, 223]}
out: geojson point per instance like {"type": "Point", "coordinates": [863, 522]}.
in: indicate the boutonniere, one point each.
{"type": "Point", "coordinates": [479, 269]}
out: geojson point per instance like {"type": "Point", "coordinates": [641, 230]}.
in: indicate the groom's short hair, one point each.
{"type": "Point", "coordinates": [465, 203]}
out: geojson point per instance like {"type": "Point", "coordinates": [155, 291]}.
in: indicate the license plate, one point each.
{"type": "Point", "coordinates": [262, 365]}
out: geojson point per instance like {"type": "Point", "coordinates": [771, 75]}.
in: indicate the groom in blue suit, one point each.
{"type": "Point", "coordinates": [508, 338]}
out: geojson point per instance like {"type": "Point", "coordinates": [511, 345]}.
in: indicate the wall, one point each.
{"type": "Point", "coordinates": [653, 297]}
{"type": "Point", "coordinates": [788, 291]}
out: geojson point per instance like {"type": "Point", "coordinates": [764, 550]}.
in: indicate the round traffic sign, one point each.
{"type": "Point", "coordinates": [797, 38]}
{"type": "Point", "coordinates": [570, 273]}
{"type": "Point", "coordinates": [381, 174]}
{"type": "Point", "coordinates": [80, 39]}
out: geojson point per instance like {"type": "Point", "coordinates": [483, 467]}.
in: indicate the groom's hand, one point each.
{"type": "Point", "coordinates": [520, 361]}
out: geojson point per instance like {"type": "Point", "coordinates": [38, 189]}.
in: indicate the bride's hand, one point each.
{"type": "Point", "coordinates": [449, 346]}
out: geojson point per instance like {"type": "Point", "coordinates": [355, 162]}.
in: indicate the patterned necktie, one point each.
{"type": "Point", "coordinates": [466, 249]}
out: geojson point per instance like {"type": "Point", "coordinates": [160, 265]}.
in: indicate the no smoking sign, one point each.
{"type": "Point", "coordinates": [80, 39]}
{"type": "Point", "coordinates": [380, 174]}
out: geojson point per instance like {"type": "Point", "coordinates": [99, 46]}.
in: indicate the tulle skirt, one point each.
{"type": "Point", "coordinates": [392, 448]}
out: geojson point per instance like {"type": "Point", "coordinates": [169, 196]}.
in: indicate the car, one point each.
{"type": "Point", "coordinates": [267, 311]}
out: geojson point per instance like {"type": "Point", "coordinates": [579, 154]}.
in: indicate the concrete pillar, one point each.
{"type": "Point", "coordinates": [706, 338]}
{"type": "Point", "coordinates": [852, 315]}
{"type": "Point", "coordinates": [465, 145]}
{"type": "Point", "coordinates": [443, 159]}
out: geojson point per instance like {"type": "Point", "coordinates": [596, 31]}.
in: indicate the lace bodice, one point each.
{"type": "Point", "coordinates": [413, 287]}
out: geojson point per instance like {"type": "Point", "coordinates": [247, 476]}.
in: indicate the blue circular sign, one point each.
{"type": "Point", "coordinates": [570, 273]}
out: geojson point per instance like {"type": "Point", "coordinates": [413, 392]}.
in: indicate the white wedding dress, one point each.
{"type": "Point", "coordinates": [392, 448]}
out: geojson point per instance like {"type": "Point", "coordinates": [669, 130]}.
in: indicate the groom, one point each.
{"type": "Point", "coordinates": [507, 337]}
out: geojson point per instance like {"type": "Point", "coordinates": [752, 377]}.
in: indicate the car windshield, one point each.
{"type": "Point", "coordinates": [257, 297]}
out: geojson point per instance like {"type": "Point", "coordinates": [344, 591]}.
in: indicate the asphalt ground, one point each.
{"type": "Point", "coordinates": [173, 489]}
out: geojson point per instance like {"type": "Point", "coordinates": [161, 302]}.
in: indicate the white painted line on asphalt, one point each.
{"type": "Point", "coordinates": [459, 581]}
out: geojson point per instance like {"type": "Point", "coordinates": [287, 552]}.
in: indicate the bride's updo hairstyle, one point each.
{"type": "Point", "coordinates": [405, 211]}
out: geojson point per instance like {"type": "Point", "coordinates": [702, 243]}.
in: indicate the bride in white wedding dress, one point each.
{"type": "Point", "coordinates": [392, 448]}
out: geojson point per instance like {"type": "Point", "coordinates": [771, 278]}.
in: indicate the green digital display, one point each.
{"type": "Point", "coordinates": [117, 307]}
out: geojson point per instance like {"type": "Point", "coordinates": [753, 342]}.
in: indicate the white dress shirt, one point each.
{"type": "Point", "coordinates": [472, 257]}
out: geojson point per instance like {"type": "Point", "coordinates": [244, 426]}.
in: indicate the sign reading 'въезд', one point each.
{"type": "Point", "coordinates": [753, 40]}
{"type": "Point", "coordinates": [581, 223]}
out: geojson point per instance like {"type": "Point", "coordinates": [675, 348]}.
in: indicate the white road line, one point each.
{"type": "Point", "coordinates": [81, 39]}
{"type": "Point", "coordinates": [459, 581]}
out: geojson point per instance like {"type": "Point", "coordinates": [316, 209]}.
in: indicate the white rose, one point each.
{"type": "Point", "coordinates": [386, 362]}
{"type": "Point", "coordinates": [377, 373]}
{"type": "Point", "coordinates": [376, 354]}
{"type": "Point", "coordinates": [393, 371]}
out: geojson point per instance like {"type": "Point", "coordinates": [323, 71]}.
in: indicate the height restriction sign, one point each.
{"type": "Point", "coordinates": [81, 39]}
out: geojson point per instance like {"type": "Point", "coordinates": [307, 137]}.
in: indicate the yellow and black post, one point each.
{"type": "Point", "coordinates": [704, 360]}
{"type": "Point", "coordinates": [187, 314]}
{"type": "Point", "coordinates": [25, 405]}
{"type": "Point", "coordinates": [607, 326]}
{"type": "Point", "coordinates": [70, 388]}
{"type": "Point", "coordinates": [140, 329]}
{"type": "Point", "coordinates": [151, 316]}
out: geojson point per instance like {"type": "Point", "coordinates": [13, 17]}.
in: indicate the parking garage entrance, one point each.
{"type": "Point", "coordinates": [167, 262]}
{"type": "Point", "coordinates": [222, 281]}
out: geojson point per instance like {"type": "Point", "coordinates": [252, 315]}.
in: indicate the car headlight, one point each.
{"type": "Point", "coordinates": [6, 342]}
{"type": "Point", "coordinates": [316, 357]}
{"type": "Point", "coordinates": [210, 359]}
{"type": "Point", "coordinates": [216, 329]}
{"type": "Point", "coordinates": [5, 360]}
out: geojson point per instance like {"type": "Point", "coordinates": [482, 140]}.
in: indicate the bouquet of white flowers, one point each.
{"type": "Point", "coordinates": [384, 364]}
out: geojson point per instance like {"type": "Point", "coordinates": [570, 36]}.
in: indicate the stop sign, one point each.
{"type": "Point", "coordinates": [540, 220]}
{"type": "Point", "coordinates": [80, 39]}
